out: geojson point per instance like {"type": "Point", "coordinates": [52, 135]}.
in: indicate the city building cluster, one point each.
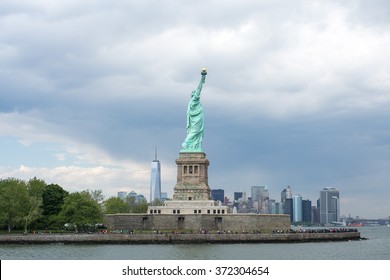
{"type": "Point", "coordinates": [302, 211]}
{"type": "Point", "coordinates": [133, 196]}
{"type": "Point", "coordinates": [138, 198]}
{"type": "Point", "coordinates": [326, 210]}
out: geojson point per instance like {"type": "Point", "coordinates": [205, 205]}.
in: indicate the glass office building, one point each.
{"type": "Point", "coordinates": [297, 208]}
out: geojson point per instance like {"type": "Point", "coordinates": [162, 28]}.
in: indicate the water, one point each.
{"type": "Point", "coordinates": [376, 247]}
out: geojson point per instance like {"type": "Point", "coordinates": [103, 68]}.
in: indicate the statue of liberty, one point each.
{"type": "Point", "coordinates": [195, 124]}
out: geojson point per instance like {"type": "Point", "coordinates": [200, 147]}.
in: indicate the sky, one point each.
{"type": "Point", "coordinates": [297, 94]}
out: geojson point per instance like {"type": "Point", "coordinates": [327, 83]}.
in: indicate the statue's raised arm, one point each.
{"type": "Point", "coordinates": [200, 86]}
{"type": "Point", "coordinates": [195, 124]}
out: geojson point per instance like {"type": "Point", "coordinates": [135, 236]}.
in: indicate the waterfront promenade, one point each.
{"type": "Point", "coordinates": [180, 238]}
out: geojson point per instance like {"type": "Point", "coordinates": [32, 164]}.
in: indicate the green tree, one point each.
{"type": "Point", "coordinates": [14, 202]}
{"type": "Point", "coordinates": [157, 202]}
{"type": "Point", "coordinates": [131, 201]}
{"type": "Point", "coordinates": [36, 187]}
{"type": "Point", "coordinates": [33, 210]}
{"type": "Point", "coordinates": [80, 209]}
{"type": "Point", "coordinates": [96, 195]}
{"type": "Point", "coordinates": [52, 200]}
{"type": "Point", "coordinates": [137, 206]}
{"type": "Point", "coordinates": [141, 207]}
{"type": "Point", "coordinates": [115, 205]}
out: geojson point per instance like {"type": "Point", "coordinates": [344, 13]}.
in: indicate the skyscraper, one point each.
{"type": "Point", "coordinates": [164, 196]}
{"type": "Point", "coordinates": [132, 196]}
{"type": "Point", "coordinates": [122, 195]}
{"type": "Point", "coordinates": [329, 206]}
{"type": "Point", "coordinates": [285, 194]}
{"type": "Point", "coordinates": [286, 201]}
{"type": "Point", "coordinates": [260, 197]}
{"type": "Point", "coordinates": [297, 208]}
{"type": "Point", "coordinates": [256, 192]}
{"type": "Point", "coordinates": [306, 211]}
{"type": "Point", "coordinates": [237, 196]}
{"type": "Point", "coordinates": [218, 195]}
{"type": "Point", "coordinates": [288, 207]}
{"type": "Point", "coordinates": [155, 179]}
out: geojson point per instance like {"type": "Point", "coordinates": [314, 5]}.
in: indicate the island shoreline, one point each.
{"type": "Point", "coordinates": [179, 238]}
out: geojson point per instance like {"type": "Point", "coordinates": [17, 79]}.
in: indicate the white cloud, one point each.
{"type": "Point", "coordinates": [75, 178]}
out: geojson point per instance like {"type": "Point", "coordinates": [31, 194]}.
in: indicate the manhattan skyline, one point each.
{"type": "Point", "coordinates": [297, 93]}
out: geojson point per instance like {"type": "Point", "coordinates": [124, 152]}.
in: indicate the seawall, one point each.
{"type": "Point", "coordinates": [198, 222]}
{"type": "Point", "coordinates": [174, 238]}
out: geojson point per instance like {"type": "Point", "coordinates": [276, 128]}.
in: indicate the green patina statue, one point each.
{"type": "Point", "coordinates": [195, 123]}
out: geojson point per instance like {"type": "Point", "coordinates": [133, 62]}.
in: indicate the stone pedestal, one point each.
{"type": "Point", "coordinates": [192, 195]}
{"type": "Point", "coordinates": [192, 177]}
